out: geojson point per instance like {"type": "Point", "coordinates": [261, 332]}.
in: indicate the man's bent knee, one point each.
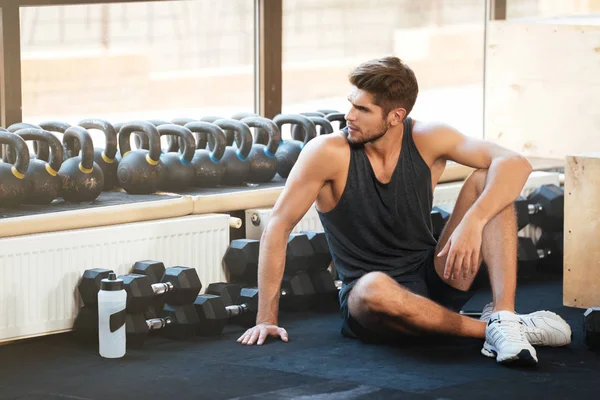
{"type": "Point", "coordinates": [368, 298]}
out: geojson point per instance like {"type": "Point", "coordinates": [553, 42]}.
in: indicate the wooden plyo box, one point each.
{"type": "Point", "coordinates": [581, 285]}
{"type": "Point", "coordinates": [542, 85]}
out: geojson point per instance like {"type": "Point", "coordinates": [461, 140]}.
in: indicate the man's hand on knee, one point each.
{"type": "Point", "coordinates": [462, 250]}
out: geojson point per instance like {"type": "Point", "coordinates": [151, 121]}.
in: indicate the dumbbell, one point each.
{"type": "Point", "coordinates": [241, 261]}
{"type": "Point", "coordinates": [544, 207]}
{"type": "Point", "coordinates": [241, 258]}
{"type": "Point", "coordinates": [214, 314]}
{"type": "Point", "coordinates": [180, 285]}
{"type": "Point", "coordinates": [318, 271]}
{"type": "Point", "coordinates": [176, 322]}
{"type": "Point", "coordinates": [552, 244]}
{"type": "Point", "coordinates": [297, 291]}
{"type": "Point", "coordinates": [439, 218]}
{"type": "Point", "coordinates": [591, 328]}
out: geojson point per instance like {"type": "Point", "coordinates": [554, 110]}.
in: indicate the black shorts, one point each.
{"type": "Point", "coordinates": [423, 281]}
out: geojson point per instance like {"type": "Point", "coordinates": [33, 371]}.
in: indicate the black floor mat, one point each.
{"type": "Point", "coordinates": [317, 363]}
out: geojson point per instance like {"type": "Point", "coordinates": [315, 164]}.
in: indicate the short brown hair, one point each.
{"type": "Point", "coordinates": [389, 80]}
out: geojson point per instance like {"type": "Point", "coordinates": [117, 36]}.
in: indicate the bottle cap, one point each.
{"type": "Point", "coordinates": [111, 284]}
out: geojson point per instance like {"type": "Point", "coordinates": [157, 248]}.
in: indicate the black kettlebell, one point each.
{"type": "Point", "coordinates": [339, 117]}
{"type": "Point", "coordinates": [170, 142]}
{"type": "Point", "coordinates": [139, 170]}
{"type": "Point", "coordinates": [45, 184]}
{"type": "Point", "coordinates": [263, 164]}
{"type": "Point", "coordinates": [139, 138]}
{"type": "Point", "coordinates": [237, 168]}
{"type": "Point", "coordinates": [41, 151]}
{"type": "Point", "coordinates": [297, 132]}
{"type": "Point", "coordinates": [56, 128]}
{"type": "Point", "coordinates": [207, 163]}
{"type": "Point", "coordinates": [326, 111]}
{"type": "Point", "coordinates": [289, 150]}
{"type": "Point", "coordinates": [325, 126]}
{"type": "Point", "coordinates": [261, 136]}
{"type": "Point", "coordinates": [182, 121]}
{"type": "Point", "coordinates": [105, 158]}
{"type": "Point", "coordinates": [178, 171]}
{"type": "Point", "coordinates": [82, 179]}
{"type": "Point", "coordinates": [13, 185]}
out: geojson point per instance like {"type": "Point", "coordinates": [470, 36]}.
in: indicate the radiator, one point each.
{"type": "Point", "coordinates": [444, 196]}
{"type": "Point", "coordinates": [40, 273]}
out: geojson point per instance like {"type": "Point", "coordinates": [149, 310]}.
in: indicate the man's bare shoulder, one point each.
{"type": "Point", "coordinates": [328, 152]}
{"type": "Point", "coordinates": [332, 145]}
{"type": "Point", "coordinates": [431, 129]}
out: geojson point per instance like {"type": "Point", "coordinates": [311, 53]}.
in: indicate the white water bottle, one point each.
{"type": "Point", "coordinates": [112, 300]}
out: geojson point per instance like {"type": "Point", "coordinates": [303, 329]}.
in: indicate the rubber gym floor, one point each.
{"type": "Point", "coordinates": [317, 363]}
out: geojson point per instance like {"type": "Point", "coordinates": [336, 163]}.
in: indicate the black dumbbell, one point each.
{"type": "Point", "coordinates": [591, 328]}
{"type": "Point", "coordinates": [180, 285]}
{"type": "Point", "coordinates": [241, 261]}
{"type": "Point", "coordinates": [297, 291]}
{"type": "Point", "coordinates": [89, 285]}
{"type": "Point", "coordinates": [213, 314]}
{"type": "Point", "coordinates": [176, 322]}
{"type": "Point", "coordinates": [544, 207]}
{"type": "Point", "coordinates": [321, 278]}
{"type": "Point", "coordinates": [439, 218]}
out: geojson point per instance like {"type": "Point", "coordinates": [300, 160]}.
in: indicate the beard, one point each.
{"type": "Point", "coordinates": [378, 134]}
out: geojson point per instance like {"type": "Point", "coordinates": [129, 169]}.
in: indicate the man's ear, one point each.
{"type": "Point", "coordinates": [397, 116]}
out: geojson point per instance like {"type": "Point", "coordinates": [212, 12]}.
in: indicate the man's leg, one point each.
{"type": "Point", "coordinates": [498, 246]}
{"type": "Point", "coordinates": [379, 302]}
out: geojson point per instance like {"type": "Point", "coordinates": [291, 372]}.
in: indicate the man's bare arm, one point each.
{"type": "Point", "coordinates": [314, 168]}
{"type": "Point", "coordinates": [507, 171]}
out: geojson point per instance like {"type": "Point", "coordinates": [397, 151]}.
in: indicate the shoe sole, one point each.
{"type": "Point", "coordinates": [523, 358]}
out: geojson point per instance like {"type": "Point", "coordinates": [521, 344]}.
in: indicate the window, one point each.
{"type": "Point", "coordinates": [442, 41]}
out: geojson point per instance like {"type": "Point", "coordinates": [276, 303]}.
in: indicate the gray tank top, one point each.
{"type": "Point", "coordinates": [382, 227]}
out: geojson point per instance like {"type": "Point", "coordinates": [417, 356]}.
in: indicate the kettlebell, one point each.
{"type": "Point", "coordinates": [45, 184]}
{"type": "Point", "coordinates": [263, 164]}
{"type": "Point", "coordinates": [139, 170]}
{"type": "Point", "coordinates": [105, 158]}
{"type": "Point", "coordinates": [261, 136]}
{"type": "Point", "coordinates": [41, 150]}
{"type": "Point", "coordinates": [289, 150]}
{"type": "Point", "coordinates": [183, 121]}
{"type": "Point", "coordinates": [13, 185]}
{"type": "Point", "coordinates": [237, 168]}
{"type": "Point", "coordinates": [82, 179]}
{"type": "Point", "coordinates": [178, 171]}
{"type": "Point", "coordinates": [171, 145]}
{"type": "Point", "coordinates": [339, 117]}
{"type": "Point", "coordinates": [60, 127]}
{"type": "Point", "coordinates": [207, 163]}
{"type": "Point", "coordinates": [325, 126]}
{"type": "Point", "coordinates": [297, 132]}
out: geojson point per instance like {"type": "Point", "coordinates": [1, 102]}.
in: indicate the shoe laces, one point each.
{"type": "Point", "coordinates": [513, 331]}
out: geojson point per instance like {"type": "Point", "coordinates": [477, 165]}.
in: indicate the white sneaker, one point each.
{"type": "Point", "coordinates": [505, 340]}
{"type": "Point", "coordinates": [545, 328]}
{"type": "Point", "coordinates": [542, 328]}
{"type": "Point", "coordinates": [487, 311]}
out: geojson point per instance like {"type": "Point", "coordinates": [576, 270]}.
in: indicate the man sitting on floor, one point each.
{"type": "Point", "coordinates": [373, 187]}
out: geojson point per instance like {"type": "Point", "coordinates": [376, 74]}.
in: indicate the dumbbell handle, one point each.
{"type": "Point", "coordinates": [543, 253]}
{"type": "Point", "coordinates": [534, 208]}
{"type": "Point", "coordinates": [158, 323]}
{"type": "Point", "coordinates": [236, 309]}
{"type": "Point", "coordinates": [162, 287]}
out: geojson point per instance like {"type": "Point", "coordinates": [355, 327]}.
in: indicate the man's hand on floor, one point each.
{"type": "Point", "coordinates": [260, 332]}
